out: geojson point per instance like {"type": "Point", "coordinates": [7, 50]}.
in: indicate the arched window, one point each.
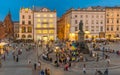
{"type": "Point", "coordinates": [23, 36]}
{"type": "Point", "coordinates": [29, 36]}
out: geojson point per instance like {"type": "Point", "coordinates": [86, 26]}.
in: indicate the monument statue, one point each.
{"type": "Point", "coordinates": [81, 26]}
{"type": "Point", "coordinates": [82, 45]}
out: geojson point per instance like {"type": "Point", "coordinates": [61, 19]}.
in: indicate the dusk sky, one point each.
{"type": "Point", "coordinates": [60, 5]}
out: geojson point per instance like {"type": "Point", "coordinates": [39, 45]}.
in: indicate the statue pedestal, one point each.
{"type": "Point", "coordinates": [82, 45]}
{"type": "Point", "coordinates": [80, 36]}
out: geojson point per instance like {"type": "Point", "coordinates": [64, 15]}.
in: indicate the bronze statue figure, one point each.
{"type": "Point", "coordinates": [81, 26]}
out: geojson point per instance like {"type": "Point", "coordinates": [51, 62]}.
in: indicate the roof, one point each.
{"type": "Point", "coordinates": [41, 9]}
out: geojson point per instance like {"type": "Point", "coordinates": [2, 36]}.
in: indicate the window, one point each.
{"type": "Point", "coordinates": [96, 21]}
{"type": "Point", "coordinates": [75, 16]}
{"type": "Point", "coordinates": [39, 31]}
{"type": "Point", "coordinates": [45, 15]}
{"type": "Point", "coordinates": [29, 16]}
{"type": "Point", "coordinates": [29, 22]}
{"type": "Point", "coordinates": [86, 28]}
{"type": "Point", "coordinates": [75, 28]}
{"type": "Point", "coordinates": [51, 31]}
{"type": "Point", "coordinates": [51, 25]}
{"type": "Point", "coordinates": [44, 20]}
{"type": "Point", "coordinates": [86, 16]}
{"type": "Point", "coordinates": [81, 16]}
{"type": "Point", "coordinates": [45, 31]}
{"type": "Point", "coordinates": [38, 20]}
{"type": "Point", "coordinates": [107, 14]}
{"type": "Point", "coordinates": [51, 37]}
{"type": "Point", "coordinates": [107, 28]}
{"type": "Point", "coordinates": [23, 17]}
{"type": "Point", "coordinates": [117, 28]}
{"type": "Point", "coordinates": [23, 29]}
{"type": "Point", "coordinates": [23, 22]}
{"type": "Point", "coordinates": [111, 20]}
{"type": "Point", "coordinates": [97, 28]}
{"type": "Point", "coordinates": [117, 15]}
{"type": "Point", "coordinates": [111, 28]}
{"type": "Point", "coordinates": [107, 20]}
{"type": "Point", "coordinates": [86, 21]}
{"type": "Point", "coordinates": [92, 16]}
{"type": "Point", "coordinates": [23, 36]}
{"type": "Point", "coordinates": [75, 21]}
{"type": "Point", "coordinates": [38, 15]}
{"type": "Point", "coordinates": [51, 15]}
{"type": "Point", "coordinates": [29, 29]}
{"type": "Point", "coordinates": [50, 20]}
{"type": "Point", "coordinates": [101, 28]}
{"type": "Point", "coordinates": [29, 36]}
{"type": "Point", "coordinates": [44, 25]}
{"type": "Point", "coordinates": [97, 16]}
{"type": "Point", "coordinates": [101, 22]}
{"type": "Point", "coordinates": [117, 20]}
{"type": "Point", "coordinates": [38, 26]}
{"type": "Point", "coordinates": [92, 21]}
{"type": "Point", "coordinates": [92, 28]}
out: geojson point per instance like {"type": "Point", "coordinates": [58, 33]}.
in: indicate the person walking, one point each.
{"type": "Point", "coordinates": [42, 72]}
{"type": "Point", "coordinates": [106, 72]}
{"type": "Point", "coordinates": [35, 66]}
{"type": "Point", "coordinates": [45, 71]}
{"type": "Point", "coordinates": [84, 70]}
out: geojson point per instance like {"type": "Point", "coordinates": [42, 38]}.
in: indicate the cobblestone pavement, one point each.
{"type": "Point", "coordinates": [11, 67]}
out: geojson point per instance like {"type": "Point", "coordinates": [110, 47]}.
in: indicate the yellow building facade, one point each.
{"type": "Point", "coordinates": [112, 22]}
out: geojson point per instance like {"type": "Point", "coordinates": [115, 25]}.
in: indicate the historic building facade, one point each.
{"type": "Point", "coordinates": [93, 19]}
{"type": "Point", "coordinates": [16, 29]}
{"type": "Point", "coordinates": [26, 24]}
{"type": "Point", "coordinates": [45, 24]}
{"type": "Point", "coordinates": [112, 22]}
{"type": "Point", "coordinates": [6, 27]}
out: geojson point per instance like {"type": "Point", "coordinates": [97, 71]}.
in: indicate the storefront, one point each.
{"type": "Point", "coordinates": [2, 45]}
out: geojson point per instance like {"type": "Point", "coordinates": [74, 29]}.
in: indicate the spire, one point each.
{"type": "Point", "coordinates": [9, 13]}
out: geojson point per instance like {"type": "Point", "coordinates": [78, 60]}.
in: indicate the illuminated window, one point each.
{"type": "Point", "coordinates": [51, 31]}
{"type": "Point", "coordinates": [44, 31]}
{"type": "Point", "coordinates": [44, 25]}
{"type": "Point", "coordinates": [38, 20]}
{"type": "Point", "coordinates": [39, 31]}
{"type": "Point", "coordinates": [51, 15]}
{"type": "Point", "coordinates": [23, 29]}
{"type": "Point", "coordinates": [51, 37]}
{"type": "Point", "coordinates": [38, 15]}
{"type": "Point", "coordinates": [45, 15]}
{"type": "Point", "coordinates": [44, 20]}
{"type": "Point", "coordinates": [29, 29]}
{"type": "Point", "coordinates": [50, 20]}
{"type": "Point", "coordinates": [51, 26]}
{"type": "Point", "coordinates": [38, 26]}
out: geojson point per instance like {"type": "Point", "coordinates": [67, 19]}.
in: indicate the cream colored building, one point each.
{"type": "Point", "coordinates": [45, 24]}
{"type": "Point", "coordinates": [26, 24]}
{"type": "Point", "coordinates": [112, 22]}
{"type": "Point", "coordinates": [93, 19]}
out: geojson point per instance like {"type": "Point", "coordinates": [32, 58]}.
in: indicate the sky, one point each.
{"type": "Point", "coordinates": [61, 6]}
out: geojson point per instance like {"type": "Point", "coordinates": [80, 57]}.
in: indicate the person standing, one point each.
{"type": "Point", "coordinates": [35, 66]}
{"type": "Point", "coordinates": [84, 69]}
{"type": "Point", "coordinates": [17, 59]}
